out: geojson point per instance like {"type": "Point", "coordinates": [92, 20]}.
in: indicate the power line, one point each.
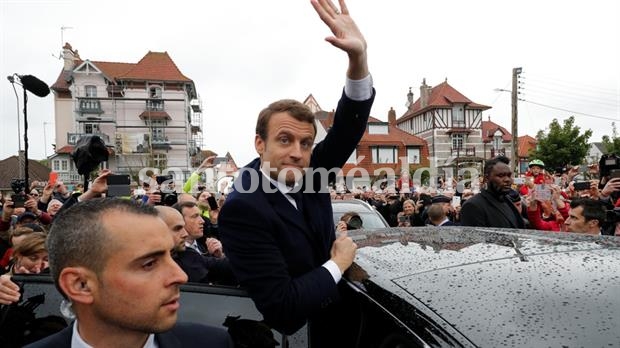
{"type": "Point", "coordinates": [571, 111]}
{"type": "Point", "coordinates": [572, 85]}
{"type": "Point", "coordinates": [571, 95]}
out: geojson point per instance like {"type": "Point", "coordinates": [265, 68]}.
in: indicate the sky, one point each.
{"type": "Point", "coordinates": [244, 54]}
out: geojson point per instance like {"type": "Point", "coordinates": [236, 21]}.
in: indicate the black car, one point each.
{"type": "Point", "coordinates": [450, 287]}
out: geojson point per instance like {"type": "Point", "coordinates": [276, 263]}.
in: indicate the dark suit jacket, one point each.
{"type": "Point", "coordinates": [276, 251]}
{"type": "Point", "coordinates": [486, 210]}
{"type": "Point", "coordinates": [181, 335]}
{"type": "Point", "coordinates": [204, 268]}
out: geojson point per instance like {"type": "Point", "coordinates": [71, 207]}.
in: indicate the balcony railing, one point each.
{"type": "Point", "coordinates": [467, 151]}
{"type": "Point", "coordinates": [70, 177]}
{"type": "Point", "coordinates": [498, 152]}
{"type": "Point", "coordinates": [154, 105]}
{"type": "Point", "coordinates": [72, 138]}
{"type": "Point", "coordinates": [89, 106]}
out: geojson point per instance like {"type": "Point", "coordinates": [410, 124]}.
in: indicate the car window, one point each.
{"type": "Point", "coordinates": [200, 303]}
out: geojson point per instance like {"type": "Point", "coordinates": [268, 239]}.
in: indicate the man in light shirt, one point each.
{"type": "Point", "coordinates": [111, 261]}
{"type": "Point", "coordinates": [280, 241]}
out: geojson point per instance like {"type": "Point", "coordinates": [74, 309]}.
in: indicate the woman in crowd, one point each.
{"type": "Point", "coordinates": [29, 257]}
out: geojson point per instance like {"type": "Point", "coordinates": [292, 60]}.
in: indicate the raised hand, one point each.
{"type": "Point", "coordinates": [347, 36]}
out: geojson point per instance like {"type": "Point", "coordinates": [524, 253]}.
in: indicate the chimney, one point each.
{"type": "Point", "coordinates": [392, 116]}
{"type": "Point", "coordinates": [330, 119]}
{"type": "Point", "coordinates": [409, 98]}
{"type": "Point", "coordinates": [69, 56]}
{"type": "Point", "coordinates": [424, 94]}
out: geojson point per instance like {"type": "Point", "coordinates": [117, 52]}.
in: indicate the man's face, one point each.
{"type": "Point", "coordinates": [535, 170]}
{"type": "Point", "coordinates": [176, 225]}
{"type": "Point", "coordinates": [193, 222]}
{"type": "Point", "coordinates": [138, 289]}
{"type": "Point", "coordinates": [287, 148]}
{"type": "Point", "coordinates": [577, 223]}
{"type": "Point", "coordinates": [500, 179]}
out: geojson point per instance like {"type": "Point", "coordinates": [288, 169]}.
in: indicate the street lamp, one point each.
{"type": "Point", "coordinates": [38, 88]}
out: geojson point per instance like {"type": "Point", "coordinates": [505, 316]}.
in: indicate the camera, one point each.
{"type": "Point", "coordinates": [581, 185]}
{"type": "Point", "coordinates": [118, 185]}
{"type": "Point", "coordinates": [354, 223]}
{"type": "Point", "coordinates": [166, 190]}
{"type": "Point", "coordinates": [607, 163]}
{"type": "Point", "coordinates": [613, 216]}
{"type": "Point", "coordinates": [18, 200]}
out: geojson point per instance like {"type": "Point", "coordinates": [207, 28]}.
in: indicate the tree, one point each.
{"type": "Point", "coordinates": [612, 145]}
{"type": "Point", "coordinates": [562, 145]}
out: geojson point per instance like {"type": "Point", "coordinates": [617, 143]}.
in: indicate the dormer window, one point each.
{"type": "Point", "coordinates": [90, 91]}
{"type": "Point", "coordinates": [497, 139]}
{"type": "Point", "coordinates": [458, 116]}
{"type": "Point", "coordinates": [378, 128]}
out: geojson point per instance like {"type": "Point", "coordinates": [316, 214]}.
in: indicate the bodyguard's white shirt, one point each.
{"type": "Point", "coordinates": [78, 342]}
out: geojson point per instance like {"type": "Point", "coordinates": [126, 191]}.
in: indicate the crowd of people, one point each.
{"type": "Point", "coordinates": [119, 262]}
{"type": "Point", "coordinates": [544, 201]}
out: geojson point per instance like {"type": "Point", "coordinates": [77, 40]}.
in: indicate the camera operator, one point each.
{"type": "Point", "coordinates": [349, 221]}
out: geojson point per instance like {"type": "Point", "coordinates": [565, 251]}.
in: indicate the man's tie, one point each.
{"type": "Point", "coordinates": [298, 200]}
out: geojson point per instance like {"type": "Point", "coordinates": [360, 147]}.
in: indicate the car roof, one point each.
{"type": "Point", "coordinates": [500, 287]}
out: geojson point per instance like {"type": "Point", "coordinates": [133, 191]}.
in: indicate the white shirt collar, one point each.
{"type": "Point", "coordinates": [280, 186]}
{"type": "Point", "coordinates": [78, 342]}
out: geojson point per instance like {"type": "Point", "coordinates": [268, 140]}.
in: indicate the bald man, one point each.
{"type": "Point", "coordinates": [199, 268]}
{"type": "Point", "coordinates": [176, 225]}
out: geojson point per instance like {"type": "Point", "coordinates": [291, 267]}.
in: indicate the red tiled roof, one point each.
{"type": "Point", "coordinates": [9, 170]}
{"type": "Point", "coordinates": [155, 115]}
{"type": "Point", "coordinates": [441, 96]}
{"type": "Point", "coordinates": [526, 143]}
{"type": "Point", "coordinates": [62, 83]}
{"type": "Point", "coordinates": [155, 66]}
{"type": "Point", "coordinates": [113, 69]}
{"type": "Point", "coordinates": [395, 136]}
{"type": "Point", "coordinates": [489, 128]}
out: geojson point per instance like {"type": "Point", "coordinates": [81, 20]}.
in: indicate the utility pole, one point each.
{"type": "Point", "coordinates": [515, 132]}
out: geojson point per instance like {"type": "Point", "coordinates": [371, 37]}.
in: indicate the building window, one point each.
{"type": "Point", "coordinates": [457, 141]}
{"type": "Point", "coordinates": [158, 129]}
{"type": "Point", "coordinates": [64, 165]}
{"type": "Point", "coordinates": [91, 128]}
{"type": "Point", "coordinates": [458, 116]}
{"type": "Point", "coordinates": [56, 165]}
{"type": "Point", "coordinates": [384, 154]}
{"type": "Point", "coordinates": [378, 129]}
{"type": "Point", "coordinates": [155, 92]}
{"type": "Point", "coordinates": [90, 91]}
{"type": "Point", "coordinates": [413, 155]}
{"type": "Point", "coordinates": [160, 160]}
{"type": "Point", "coordinates": [497, 142]}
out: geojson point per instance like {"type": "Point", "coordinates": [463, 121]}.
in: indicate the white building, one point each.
{"type": "Point", "coordinates": [148, 113]}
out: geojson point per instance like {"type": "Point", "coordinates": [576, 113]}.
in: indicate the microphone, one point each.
{"type": "Point", "coordinates": [34, 85]}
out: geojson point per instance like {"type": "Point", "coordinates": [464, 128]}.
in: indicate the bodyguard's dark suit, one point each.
{"type": "Point", "coordinates": [486, 210]}
{"type": "Point", "coordinates": [276, 251]}
{"type": "Point", "coordinates": [181, 335]}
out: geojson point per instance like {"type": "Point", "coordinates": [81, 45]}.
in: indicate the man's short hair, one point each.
{"type": "Point", "coordinates": [179, 206]}
{"type": "Point", "coordinates": [297, 110]}
{"type": "Point", "coordinates": [488, 166]}
{"type": "Point", "coordinates": [78, 236]}
{"type": "Point", "coordinates": [436, 212]}
{"type": "Point", "coordinates": [592, 209]}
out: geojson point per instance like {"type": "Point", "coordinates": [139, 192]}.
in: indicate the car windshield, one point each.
{"type": "Point", "coordinates": [371, 219]}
